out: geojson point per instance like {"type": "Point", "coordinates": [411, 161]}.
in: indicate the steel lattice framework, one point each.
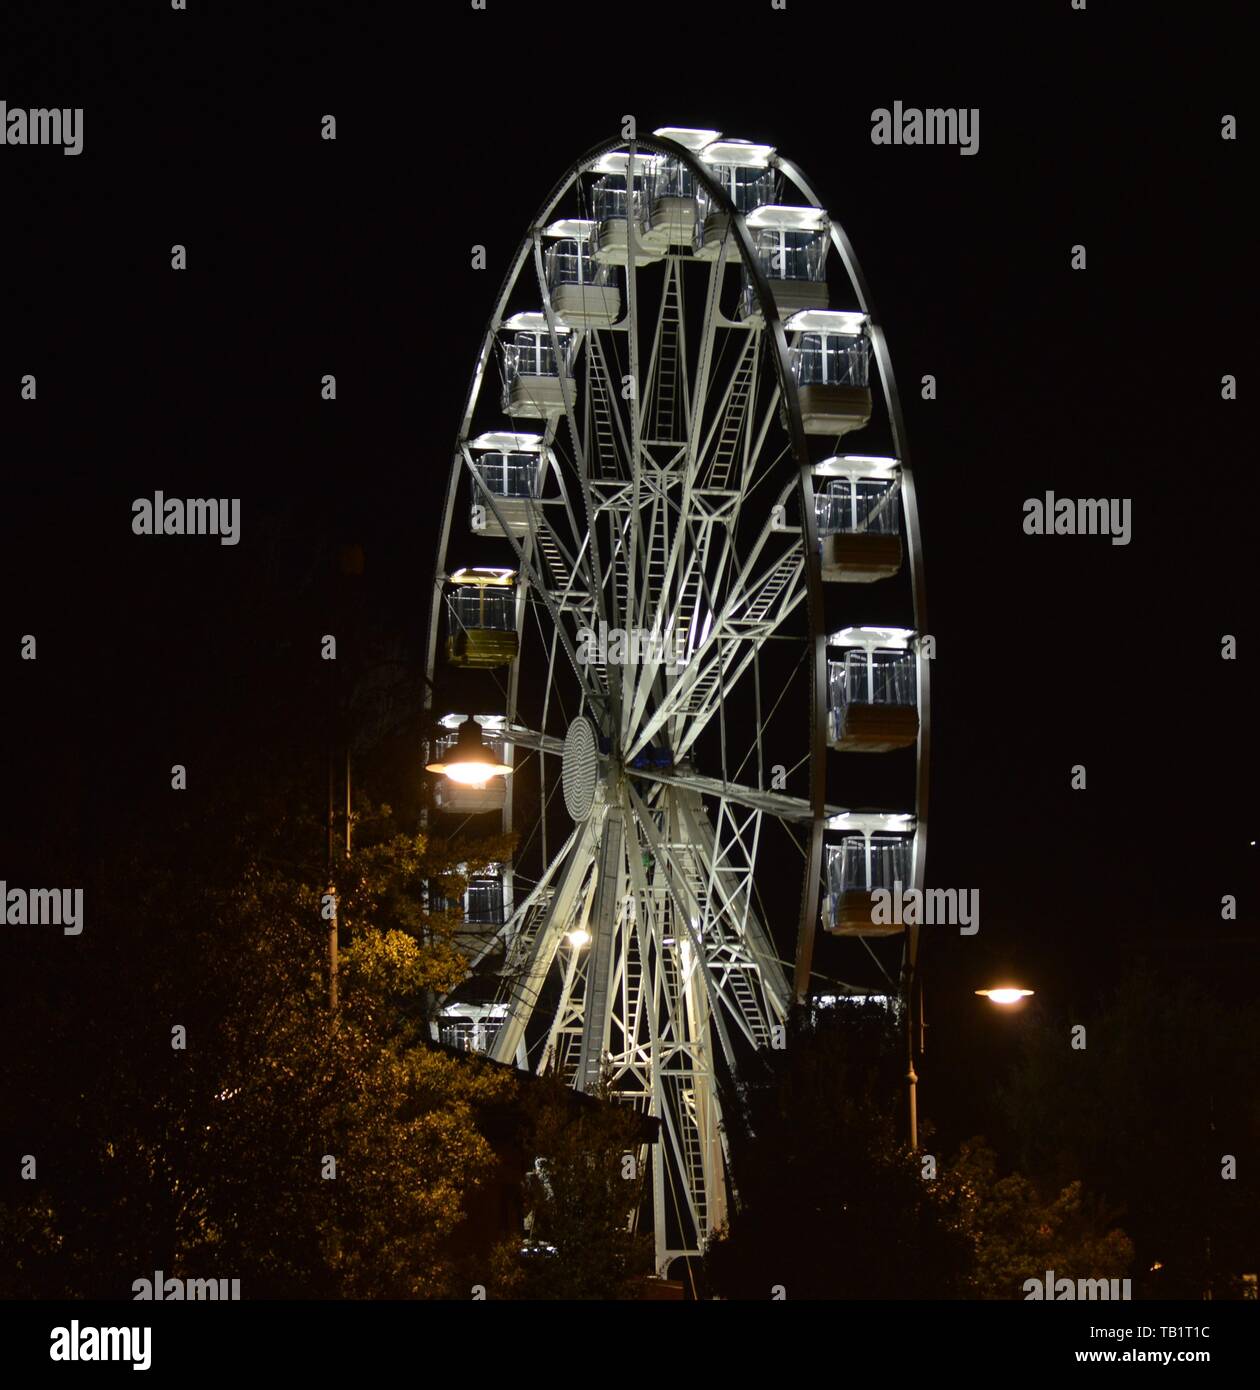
{"type": "Point", "coordinates": [675, 498]}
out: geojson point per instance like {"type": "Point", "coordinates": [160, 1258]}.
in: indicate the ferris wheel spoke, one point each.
{"type": "Point", "coordinates": [566, 1025]}
{"type": "Point", "coordinates": [704, 365]}
{"type": "Point", "coordinates": [632, 392]}
{"type": "Point", "coordinates": [755, 605]}
{"type": "Point", "coordinates": [568, 388]}
{"type": "Point", "coordinates": [533, 738]}
{"type": "Point", "coordinates": [566, 570]}
{"type": "Point", "coordinates": [693, 688]}
{"type": "Point", "coordinates": [681, 576]}
{"type": "Point", "coordinates": [758, 444]}
{"type": "Point", "coordinates": [678, 545]}
{"type": "Point", "coordinates": [752, 981]}
{"type": "Point", "coordinates": [662, 383]}
{"type": "Point", "coordinates": [566, 1037]}
{"type": "Point", "coordinates": [680, 881]}
{"type": "Point", "coordinates": [605, 427]}
{"type": "Point", "coordinates": [684, 1014]}
{"type": "Point", "coordinates": [510, 932]}
{"type": "Point", "coordinates": [726, 676]}
{"type": "Point", "coordinates": [537, 951]}
{"type": "Point", "coordinates": [647, 1008]}
{"type": "Point", "coordinates": [789, 809]}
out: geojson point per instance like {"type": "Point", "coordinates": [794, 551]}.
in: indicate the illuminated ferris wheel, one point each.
{"type": "Point", "coordinates": [666, 605]}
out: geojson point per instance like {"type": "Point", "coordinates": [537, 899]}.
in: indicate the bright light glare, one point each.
{"type": "Point", "coordinates": [579, 937]}
{"type": "Point", "coordinates": [469, 774]}
{"type": "Point", "coordinates": [1005, 995]}
{"type": "Point", "coordinates": [470, 762]}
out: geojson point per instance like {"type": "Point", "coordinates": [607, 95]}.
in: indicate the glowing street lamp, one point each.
{"type": "Point", "coordinates": [470, 762]}
{"type": "Point", "coordinates": [1005, 994]}
{"type": "Point", "coordinates": [578, 938]}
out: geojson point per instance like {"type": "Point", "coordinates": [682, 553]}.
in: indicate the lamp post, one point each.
{"type": "Point", "coordinates": [470, 762]}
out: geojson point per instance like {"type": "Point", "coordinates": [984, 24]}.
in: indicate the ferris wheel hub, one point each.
{"type": "Point", "coordinates": [580, 768]}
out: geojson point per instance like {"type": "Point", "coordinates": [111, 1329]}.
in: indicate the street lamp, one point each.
{"type": "Point", "coordinates": [470, 762]}
{"type": "Point", "coordinates": [1005, 994]}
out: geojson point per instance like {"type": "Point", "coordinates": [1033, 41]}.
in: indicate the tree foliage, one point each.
{"type": "Point", "coordinates": [1016, 1233]}
{"type": "Point", "coordinates": [212, 1160]}
{"type": "Point", "coordinates": [586, 1181]}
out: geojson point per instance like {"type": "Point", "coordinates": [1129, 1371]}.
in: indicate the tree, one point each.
{"type": "Point", "coordinates": [586, 1181]}
{"type": "Point", "coordinates": [1018, 1235]}
{"type": "Point", "coordinates": [211, 1159]}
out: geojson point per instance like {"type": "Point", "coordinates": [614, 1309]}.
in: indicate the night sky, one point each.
{"type": "Point", "coordinates": [351, 257]}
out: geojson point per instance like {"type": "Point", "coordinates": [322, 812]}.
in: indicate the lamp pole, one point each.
{"type": "Point", "coordinates": [332, 921]}
{"type": "Point", "coordinates": [912, 1079]}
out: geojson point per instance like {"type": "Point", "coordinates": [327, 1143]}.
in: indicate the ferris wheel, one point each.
{"type": "Point", "coordinates": [666, 606]}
